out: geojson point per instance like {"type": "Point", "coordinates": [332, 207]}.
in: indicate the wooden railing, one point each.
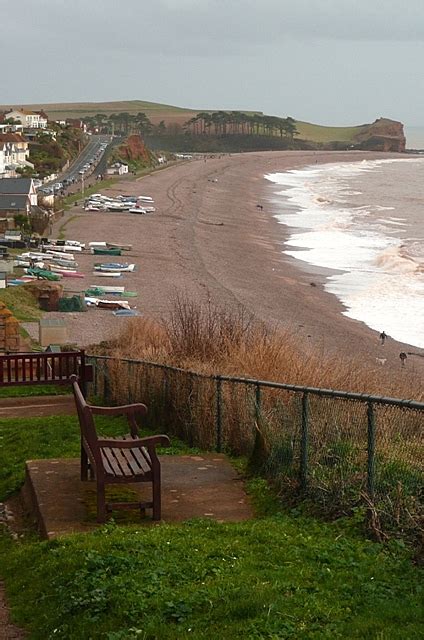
{"type": "Point", "coordinates": [43, 368]}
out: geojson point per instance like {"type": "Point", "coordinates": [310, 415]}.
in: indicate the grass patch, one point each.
{"type": "Point", "coordinates": [34, 390]}
{"type": "Point", "coordinates": [277, 577]}
{"type": "Point", "coordinates": [21, 303]}
{"type": "Point", "coordinates": [61, 232]}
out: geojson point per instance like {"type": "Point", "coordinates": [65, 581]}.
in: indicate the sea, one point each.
{"type": "Point", "coordinates": [363, 224]}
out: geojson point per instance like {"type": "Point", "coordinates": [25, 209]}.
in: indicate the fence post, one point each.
{"type": "Point", "coordinates": [371, 451]}
{"type": "Point", "coordinates": [95, 381]}
{"type": "Point", "coordinates": [218, 415]}
{"type": "Point", "coordinates": [130, 395]}
{"type": "Point", "coordinates": [257, 403]}
{"type": "Point", "coordinates": [105, 383]}
{"type": "Point", "coordinates": [83, 374]}
{"type": "Point", "coordinates": [304, 442]}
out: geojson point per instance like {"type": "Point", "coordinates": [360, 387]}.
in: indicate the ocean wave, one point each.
{"type": "Point", "coordinates": [397, 260]}
{"type": "Point", "coordinates": [378, 270]}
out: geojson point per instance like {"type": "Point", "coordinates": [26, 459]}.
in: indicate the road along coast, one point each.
{"type": "Point", "coordinates": [208, 239]}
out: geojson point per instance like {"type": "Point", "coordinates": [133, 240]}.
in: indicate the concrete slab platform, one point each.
{"type": "Point", "coordinates": [204, 486]}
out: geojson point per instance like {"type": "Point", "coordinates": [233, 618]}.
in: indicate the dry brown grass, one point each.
{"type": "Point", "coordinates": [214, 340]}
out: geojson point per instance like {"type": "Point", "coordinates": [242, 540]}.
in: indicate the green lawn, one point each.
{"type": "Point", "coordinates": [318, 133]}
{"type": "Point", "coordinates": [35, 390]}
{"type": "Point", "coordinates": [278, 576]}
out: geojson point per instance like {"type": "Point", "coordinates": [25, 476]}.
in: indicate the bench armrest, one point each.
{"type": "Point", "coordinates": [126, 409]}
{"type": "Point", "coordinates": [149, 442]}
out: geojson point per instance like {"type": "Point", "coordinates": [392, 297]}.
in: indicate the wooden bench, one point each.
{"type": "Point", "coordinates": [118, 460]}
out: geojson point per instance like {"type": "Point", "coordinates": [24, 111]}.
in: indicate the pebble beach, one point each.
{"type": "Point", "coordinates": [209, 240]}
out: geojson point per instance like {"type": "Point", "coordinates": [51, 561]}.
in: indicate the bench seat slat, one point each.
{"type": "Point", "coordinates": [121, 459]}
{"type": "Point", "coordinates": [109, 459]}
{"type": "Point", "coordinates": [141, 455]}
{"type": "Point", "coordinates": [142, 458]}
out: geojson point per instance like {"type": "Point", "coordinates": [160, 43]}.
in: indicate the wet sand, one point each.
{"type": "Point", "coordinates": [209, 240]}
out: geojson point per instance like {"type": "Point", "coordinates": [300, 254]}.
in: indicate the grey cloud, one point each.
{"type": "Point", "coordinates": [329, 61]}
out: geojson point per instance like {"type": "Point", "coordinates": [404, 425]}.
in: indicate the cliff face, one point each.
{"type": "Point", "coordinates": [134, 149]}
{"type": "Point", "coordinates": [382, 135]}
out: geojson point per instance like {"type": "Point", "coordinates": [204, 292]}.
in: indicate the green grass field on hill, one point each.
{"type": "Point", "coordinates": [169, 113]}
{"type": "Point", "coordinates": [318, 133]}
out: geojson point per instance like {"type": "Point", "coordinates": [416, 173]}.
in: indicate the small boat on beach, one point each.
{"type": "Point", "coordinates": [114, 266]}
{"type": "Point", "coordinates": [107, 274]}
{"type": "Point", "coordinates": [66, 273]}
{"type": "Point", "coordinates": [43, 274]}
{"type": "Point", "coordinates": [123, 247]}
{"type": "Point", "coordinates": [61, 248]}
{"type": "Point", "coordinates": [106, 289]}
{"type": "Point", "coordinates": [106, 304]}
{"type": "Point", "coordinates": [102, 251]}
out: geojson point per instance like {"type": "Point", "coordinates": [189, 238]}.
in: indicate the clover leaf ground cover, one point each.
{"type": "Point", "coordinates": [277, 576]}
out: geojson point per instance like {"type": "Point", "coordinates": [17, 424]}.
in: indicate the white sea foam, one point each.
{"type": "Point", "coordinates": [336, 213]}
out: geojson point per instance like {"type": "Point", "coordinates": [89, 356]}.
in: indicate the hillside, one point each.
{"type": "Point", "coordinates": [383, 134]}
{"type": "Point", "coordinates": [154, 110]}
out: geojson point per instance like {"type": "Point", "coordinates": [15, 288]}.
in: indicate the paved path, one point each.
{"type": "Point", "coordinates": [36, 406]}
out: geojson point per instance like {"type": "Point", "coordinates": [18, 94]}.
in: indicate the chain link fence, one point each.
{"type": "Point", "coordinates": [338, 450]}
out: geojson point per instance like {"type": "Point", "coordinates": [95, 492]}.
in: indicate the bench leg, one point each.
{"type": "Point", "coordinates": [84, 464]}
{"type": "Point", "coordinates": [101, 503]}
{"type": "Point", "coordinates": [156, 490]}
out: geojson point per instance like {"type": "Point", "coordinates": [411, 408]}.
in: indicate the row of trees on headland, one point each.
{"type": "Point", "coordinates": [222, 123]}
{"type": "Point", "coordinates": [216, 123]}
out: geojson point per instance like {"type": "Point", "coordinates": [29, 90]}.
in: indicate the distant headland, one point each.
{"type": "Point", "coordinates": [176, 128]}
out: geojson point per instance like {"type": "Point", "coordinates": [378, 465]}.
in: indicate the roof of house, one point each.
{"type": "Point", "coordinates": [17, 186]}
{"type": "Point", "coordinates": [25, 112]}
{"type": "Point", "coordinates": [13, 202]}
{"type": "Point", "coordinates": [11, 137]}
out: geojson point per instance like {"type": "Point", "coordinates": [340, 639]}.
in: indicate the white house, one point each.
{"type": "Point", "coordinates": [14, 153]}
{"type": "Point", "coordinates": [30, 119]}
{"type": "Point", "coordinates": [11, 128]}
{"type": "Point", "coordinates": [118, 169]}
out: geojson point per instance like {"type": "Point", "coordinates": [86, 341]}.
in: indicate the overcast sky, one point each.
{"type": "Point", "coordinates": [325, 61]}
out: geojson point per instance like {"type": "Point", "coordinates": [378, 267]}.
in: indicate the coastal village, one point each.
{"type": "Point", "coordinates": [29, 208]}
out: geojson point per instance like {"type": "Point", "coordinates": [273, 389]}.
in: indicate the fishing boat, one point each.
{"type": "Point", "coordinates": [101, 251]}
{"type": "Point", "coordinates": [145, 198]}
{"type": "Point", "coordinates": [106, 304]}
{"type": "Point", "coordinates": [96, 245]}
{"type": "Point", "coordinates": [44, 274]}
{"type": "Point", "coordinates": [56, 254]}
{"type": "Point", "coordinates": [126, 313]}
{"type": "Point", "coordinates": [107, 289]}
{"type": "Point", "coordinates": [66, 273]}
{"type": "Point", "coordinates": [67, 243]}
{"type": "Point", "coordinates": [114, 266]}
{"type": "Point", "coordinates": [64, 263]}
{"type": "Point", "coordinates": [61, 248]}
{"type": "Point", "coordinates": [123, 247]}
{"type": "Point", "coordinates": [107, 274]}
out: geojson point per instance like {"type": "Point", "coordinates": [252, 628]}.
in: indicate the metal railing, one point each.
{"type": "Point", "coordinates": [342, 449]}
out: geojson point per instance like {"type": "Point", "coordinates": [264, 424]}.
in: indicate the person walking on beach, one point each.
{"type": "Point", "coordinates": [383, 337]}
{"type": "Point", "coordinates": [403, 358]}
